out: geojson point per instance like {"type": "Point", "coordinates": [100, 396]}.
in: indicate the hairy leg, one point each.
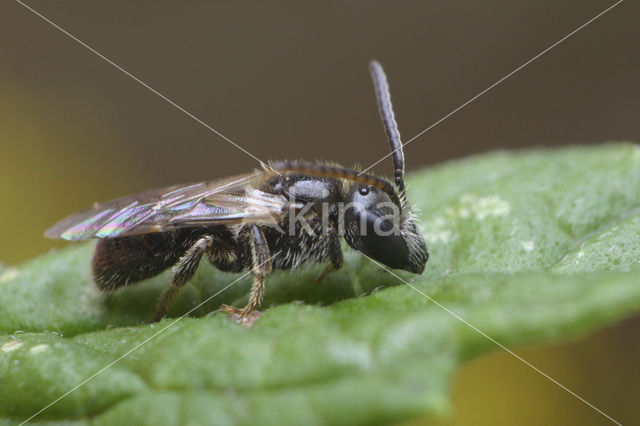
{"type": "Point", "coordinates": [335, 256]}
{"type": "Point", "coordinates": [261, 268]}
{"type": "Point", "coordinates": [182, 272]}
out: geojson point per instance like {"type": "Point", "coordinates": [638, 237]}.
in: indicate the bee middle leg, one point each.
{"type": "Point", "coordinates": [182, 272]}
{"type": "Point", "coordinates": [261, 268]}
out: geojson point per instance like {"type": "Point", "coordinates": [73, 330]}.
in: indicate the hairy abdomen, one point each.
{"type": "Point", "coordinates": [121, 261]}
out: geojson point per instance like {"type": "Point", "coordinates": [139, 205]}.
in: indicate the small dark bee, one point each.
{"type": "Point", "coordinates": [278, 217]}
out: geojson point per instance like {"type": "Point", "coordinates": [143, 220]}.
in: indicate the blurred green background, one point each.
{"type": "Point", "coordinates": [290, 80]}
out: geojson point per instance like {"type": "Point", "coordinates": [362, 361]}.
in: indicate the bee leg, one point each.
{"type": "Point", "coordinates": [261, 268]}
{"type": "Point", "coordinates": [335, 256]}
{"type": "Point", "coordinates": [182, 272]}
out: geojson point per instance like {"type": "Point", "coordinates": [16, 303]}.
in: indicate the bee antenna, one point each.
{"type": "Point", "coordinates": [389, 121]}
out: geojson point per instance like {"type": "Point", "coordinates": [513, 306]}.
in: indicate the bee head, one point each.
{"type": "Point", "coordinates": [384, 228]}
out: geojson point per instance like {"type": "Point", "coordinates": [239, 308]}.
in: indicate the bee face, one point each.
{"type": "Point", "coordinates": [384, 230]}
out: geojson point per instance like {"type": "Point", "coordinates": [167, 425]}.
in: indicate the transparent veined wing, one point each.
{"type": "Point", "coordinates": [227, 201]}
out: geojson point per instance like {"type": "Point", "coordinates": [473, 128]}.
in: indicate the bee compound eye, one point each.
{"type": "Point", "coordinates": [383, 243]}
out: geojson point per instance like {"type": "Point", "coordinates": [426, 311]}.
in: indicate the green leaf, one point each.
{"type": "Point", "coordinates": [528, 247]}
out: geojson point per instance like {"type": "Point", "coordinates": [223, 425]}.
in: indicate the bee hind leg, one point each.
{"type": "Point", "coordinates": [261, 268]}
{"type": "Point", "coordinates": [182, 272]}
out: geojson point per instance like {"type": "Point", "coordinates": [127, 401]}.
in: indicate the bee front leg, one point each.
{"type": "Point", "coordinates": [335, 256]}
{"type": "Point", "coordinates": [182, 272]}
{"type": "Point", "coordinates": [261, 268]}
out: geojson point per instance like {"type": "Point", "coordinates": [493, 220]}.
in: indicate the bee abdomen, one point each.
{"type": "Point", "coordinates": [121, 261]}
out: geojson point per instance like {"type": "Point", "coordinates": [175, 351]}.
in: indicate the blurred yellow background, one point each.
{"type": "Point", "coordinates": [290, 80]}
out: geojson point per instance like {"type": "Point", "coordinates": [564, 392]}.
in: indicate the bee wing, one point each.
{"type": "Point", "coordinates": [206, 203]}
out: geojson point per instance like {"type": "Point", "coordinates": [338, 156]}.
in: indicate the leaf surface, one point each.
{"type": "Point", "coordinates": [526, 247]}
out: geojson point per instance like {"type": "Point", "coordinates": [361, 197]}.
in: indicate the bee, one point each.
{"type": "Point", "coordinates": [279, 217]}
